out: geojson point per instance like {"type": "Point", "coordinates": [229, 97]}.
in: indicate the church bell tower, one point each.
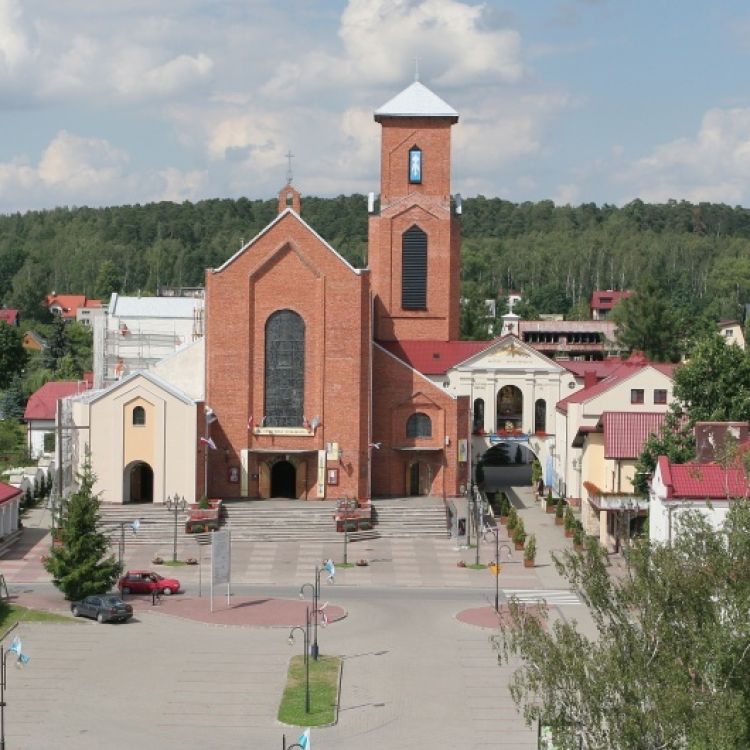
{"type": "Point", "coordinates": [415, 241]}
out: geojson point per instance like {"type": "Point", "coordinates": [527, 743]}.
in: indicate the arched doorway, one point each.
{"type": "Point", "coordinates": [138, 483]}
{"type": "Point", "coordinates": [418, 478]}
{"type": "Point", "coordinates": [509, 409]}
{"type": "Point", "coordinates": [506, 464]}
{"type": "Point", "coordinates": [283, 480]}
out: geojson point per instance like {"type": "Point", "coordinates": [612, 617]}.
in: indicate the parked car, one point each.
{"type": "Point", "coordinates": [102, 608]}
{"type": "Point", "coordinates": [146, 582]}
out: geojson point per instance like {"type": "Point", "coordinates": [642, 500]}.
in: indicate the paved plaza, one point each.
{"type": "Point", "coordinates": [418, 663]}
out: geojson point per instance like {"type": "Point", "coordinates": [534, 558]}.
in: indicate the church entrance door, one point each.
{"type": "Point", "coordinates": [283, 480]}
{"type": "Point", "coordinates": [138, 483]}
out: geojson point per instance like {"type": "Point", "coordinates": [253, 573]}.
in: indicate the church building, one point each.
{"type": "Point", "coordinates": [303, 397]}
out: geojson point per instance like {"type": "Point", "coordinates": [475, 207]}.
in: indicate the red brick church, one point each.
{"type": "Point", "coordinates": [305, 397]}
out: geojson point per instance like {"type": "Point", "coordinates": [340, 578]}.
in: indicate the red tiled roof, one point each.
{"type": "Point", "coordinates": [602, 368]}
{"type": "Point", "coordinates": [702, 481]}
{"type": "Point", "coordinates": [628, 367]}
{"type": "Point", "coordinates": [9, 316]}
{"type": "Point", "coordinates": [71, 302]}
{"type": "Point", "coordinates": [8, 492]}
{"type": "Point", "coordinates": [43, 403]}
{"type": "Point", "coordinates": [606, 300]}
{"type": "Point", "coordinates": [434, 357]}
{"type": "Point", "coordinates": [625, 432]}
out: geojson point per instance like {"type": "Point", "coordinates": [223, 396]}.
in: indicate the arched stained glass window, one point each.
{"type": "Point", "coordinates": [418, 426]}
{"type": "Point", "coordinates": [285, 370]}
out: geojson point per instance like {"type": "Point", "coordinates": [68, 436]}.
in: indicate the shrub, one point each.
{"type": "Point", "coordinates": [519, 532]}
{"type": "Point", "coordinates": [513, 519]}
{"type": "Point", "coordinates": [578, 535]}
{"type": "Point", "coordinates": [570, 519]}
{"type": "Point", "coordinates": [529, 552]}
{"type": "Point", "coordinates": [203, 503]}
{"type": "Point", "coordinates": [550, 501]}
{"type": "Point", "coordinates": [559, 508]}
{"type": "Point", "coordinates": [504, 504]}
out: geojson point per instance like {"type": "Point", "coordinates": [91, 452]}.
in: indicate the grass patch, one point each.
{"type": "Point", "coordinates": [345, 565]}
{"type": "Point", "coordinates": [324, 675]}
{"type": "Point", "coordinates": [10, 613]}
{"type": "Point", "coordinates": [476, 566]}
{"type": "Point", "coordinates": [174, 563]}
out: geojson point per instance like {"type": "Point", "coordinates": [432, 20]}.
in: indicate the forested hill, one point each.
{"type": "Point", "coordinates": [556, 255]}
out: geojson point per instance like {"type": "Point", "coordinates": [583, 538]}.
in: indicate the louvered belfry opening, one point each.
{"type": "Point", "coordinates": [414, 269]}
{"type": "Point", "coordinates": [285, 370]}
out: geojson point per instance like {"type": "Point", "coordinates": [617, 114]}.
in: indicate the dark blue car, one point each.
{"type": "Point", "coordinates": [102, 608]}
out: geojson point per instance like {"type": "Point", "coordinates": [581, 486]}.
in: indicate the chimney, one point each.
{"type": "Point", "coordinates": [589, 378]}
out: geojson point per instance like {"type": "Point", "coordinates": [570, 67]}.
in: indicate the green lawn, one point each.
{"type": "Point", "coordinates": [10, 613]}
{"type": "Point", "coordinates": [324, 676]}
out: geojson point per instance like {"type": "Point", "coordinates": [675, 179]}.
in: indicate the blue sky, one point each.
{"type": "Point", "coordinates": [576, 101]}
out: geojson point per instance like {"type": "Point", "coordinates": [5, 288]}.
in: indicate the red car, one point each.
{"type": "Point", "coordinates": [145, 582]}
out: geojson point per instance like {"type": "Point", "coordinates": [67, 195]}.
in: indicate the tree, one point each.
{"type": "Point", "coordinates": [647, 323]}
{"type": "Point", "coordinates": [669, 666]}
{"type": "Point", "coordinates": [12, 354]}
{"type": "Point", "coordinates": [108, 280]}
{"type": "Point", "coordinates": [57, 344]}
{"type": "Point", "coordinates": [80, 567]}
{"type": "Point", "coordinates": [11, 401]}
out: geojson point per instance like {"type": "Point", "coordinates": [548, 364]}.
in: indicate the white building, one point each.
{"type": "Point", "coordinates": [138, 332]}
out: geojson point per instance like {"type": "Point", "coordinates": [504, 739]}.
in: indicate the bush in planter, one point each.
{"type": "Point", "coordinates": [550, 499]}
{"type": "Point", "coordinates": [570, 519]}
{"type": "Point", "coordinates": [513, 519]}
{"type": "Point", "coordinates": [578, 535]}
{"type": "Point", "coordinates": [203, 503]}
{"type": "Point", "coordinates": [504, 505]}
{"type": "Point", "coordinates": [519, 533]}
{"type": "Point", "coordinates": [529, 552]}
{"type": "Point", "coordinates": [559, 508]}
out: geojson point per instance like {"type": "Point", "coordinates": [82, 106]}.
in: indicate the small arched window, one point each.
{"type": "Point", "coordinates": [540, 415]}
{"type": "Point", "coordinates": [478, 414]}
{"type": "Point", "coordinates": [139, 415]}
{"type": "Point", "coordinates": [418, 426]}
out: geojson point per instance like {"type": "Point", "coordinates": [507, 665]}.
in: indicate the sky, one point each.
{"type": "Point", "coordinates": [577, 101]}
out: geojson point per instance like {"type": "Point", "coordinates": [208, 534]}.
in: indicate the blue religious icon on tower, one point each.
{"type": "Point", "coordinates": [415, 165]}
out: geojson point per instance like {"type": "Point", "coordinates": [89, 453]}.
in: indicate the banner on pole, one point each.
{"type": "Point", "coordinates": [220, 557]}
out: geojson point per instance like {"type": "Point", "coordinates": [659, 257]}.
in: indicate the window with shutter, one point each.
{"type": "Point", "coordinates": [414, 269]}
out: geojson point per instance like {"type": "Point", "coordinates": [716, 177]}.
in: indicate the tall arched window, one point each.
{"type": "Point", "coordinates": [285, 369]}
{"type": "Point", "coordinates": [139, 415]}
{"type": "Point", "coordinates": [418, 426]}
{"type": "Point", "coordinates": [509, 408]}
{"type": "Point", "coordinates": [414, 269]}
{"type": "Point", "coordinates": [540, 415]}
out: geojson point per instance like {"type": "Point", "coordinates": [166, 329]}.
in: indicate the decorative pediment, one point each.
{"type": "Point", "coordinates": [510, 353]}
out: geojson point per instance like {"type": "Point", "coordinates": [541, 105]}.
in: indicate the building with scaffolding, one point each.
{"type": "Point", "coordinates": [138, 332]}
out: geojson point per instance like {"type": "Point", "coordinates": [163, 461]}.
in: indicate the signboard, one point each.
{"type": "Point", "coordinates": [221, 557]}
{"type": "Point", "coordinates": [520, 438]}
{"type": "Point", "coordinates": [463, 450]}
{"type": "Point", "coordinates": [321, 474]}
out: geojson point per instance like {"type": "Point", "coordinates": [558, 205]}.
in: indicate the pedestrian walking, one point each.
{"type": "Point", "coordinates": [331, 570]}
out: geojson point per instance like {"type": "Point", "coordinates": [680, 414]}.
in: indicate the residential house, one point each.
{"type": "Point", "coordinates": [10, 501]}
{"type": "Point", "coordinates": [41, 411]}
{"type": "Point", "coordinates": [32, 341]}
{"type": "Point", "coordinates": [731, 331]}
{"type": "Point", "coordinates": [9, 316]}
{"type": "Point", "coordinates": [67, 305]}
{"type": "Point", "coordinates": [603, 302]}
{"type": "Point", "coordinates": [635, 385]}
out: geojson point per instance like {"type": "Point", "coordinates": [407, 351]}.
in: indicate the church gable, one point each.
{"type": "Point", "coordinates": [510, 353]}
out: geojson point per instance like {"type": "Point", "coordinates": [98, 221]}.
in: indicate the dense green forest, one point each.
{"type": "Point", "coordinates": [698, 255]}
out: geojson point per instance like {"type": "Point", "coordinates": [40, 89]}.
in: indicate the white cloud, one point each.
{"type": "Point", "coordinates": [181, 186]}
{"type": "Point", "coordinates": [711, 166]}
{"type": "Point", "coordinates": [15, 48]}
{"type": "Point", "coordinates": [135, 76]}
{"type": "Point", "coordinates": [381, 39]}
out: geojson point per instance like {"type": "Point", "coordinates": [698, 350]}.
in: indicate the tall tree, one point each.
{"type": "Point", "coordinates": [108, 280]}
{"type": "Point", "coordinates": [12, 354]}
{"type": "Point", "coordinates": [80, 566]}
{"type": "Point", "coordinates": [647, 323]}
{"type": "Point", "coordinates": [669, 666]}
{"type": "Point", "coordinates": [57, 344]}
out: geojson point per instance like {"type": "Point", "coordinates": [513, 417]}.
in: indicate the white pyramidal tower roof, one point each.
{"type": "Point", "coordinates": [416, 100]}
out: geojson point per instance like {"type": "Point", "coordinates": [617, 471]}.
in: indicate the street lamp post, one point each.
{"type": "Point", "coordinates": [496, 533]}
{"type": "Point", "coordinates": [3, 682]}
{"type": "Point", "coordinates": [306, 636]}
{"type": "Point", "coordinates": [315, 587]}
{"type": "Point", "coordinates": [175, 505]}
{"type": "Point", "coordinates": [121, 547]}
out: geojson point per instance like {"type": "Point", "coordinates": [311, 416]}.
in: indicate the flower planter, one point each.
{"type": "Point", "coordinates": [528, 563]}
{"type": "Point", "coordinates": [503, 520]}
{"type": "Point", "coordinates": [550, 508]}
{"type": "Point", "coordinates": [559, 520]}
{"type": "Point", "coordinates": [578, 547]}
{"type": "Point", "coordinates": [569, 533]}
{"type": "Point", "coordinates": [518, 545]}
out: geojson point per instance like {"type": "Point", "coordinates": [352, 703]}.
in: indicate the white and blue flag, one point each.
{"type": "Point", "coordinates": [304, 740]}
{"type": "Point", "coordinates": [15, 648]}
